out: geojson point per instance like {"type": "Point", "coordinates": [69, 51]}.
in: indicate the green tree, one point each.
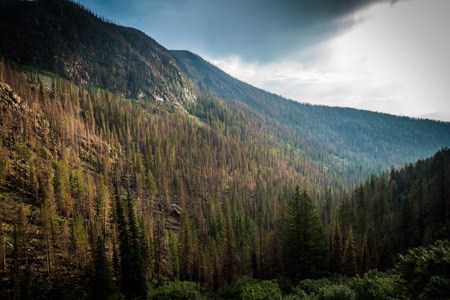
{"type": "Point", "coordinates": [426, 270]}
{"type": "Point", "coordinates": [102, 284]}
{"type": "Point", "coordinates": [62, 188]}
{"type": "Point", "coordinates": [230, 255]}
{"type": "Point", "coordinates": [187, 248]}
{"type": "Point", "coordinates": [305, 242]}
{"type": "Point", "coordinates": [349, 259]}
{"type": "Point", "coordinates": [337, 248]}
{"type": "Point", "coordinates": [132, 269]}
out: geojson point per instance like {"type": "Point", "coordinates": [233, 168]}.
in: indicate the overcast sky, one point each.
{"type": "Point", "coordinates": [378, 55]}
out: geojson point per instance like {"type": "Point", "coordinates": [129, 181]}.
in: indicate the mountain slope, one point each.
{"type": "Point", "coordinates": [96, 187]}
{"type": "Point", "coordinates": [368, 139]}
{"type": "Point", "coordinates": [61, 37]}
{"type": "Point", "coordinates": [398, 210]}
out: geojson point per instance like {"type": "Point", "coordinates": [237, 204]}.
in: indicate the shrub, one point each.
{"type": "Point", "coordinates": [235, 291]}
{"type": "Point", "coordinates": [176, 290]}
{"type": "Point", "coordinates": [420, 265]}
{"type": "Point", "coordinates": [336, 292]}
{"type": "Point", "coordinates": [375, 285]}
{"type": "Point", "coordinates": [438, 288]}
{"type": "Point", "coordinates": [310, 286]}
{"type": "Point", "coordinates": [261, 291]}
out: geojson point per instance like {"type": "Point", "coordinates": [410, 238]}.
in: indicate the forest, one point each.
{"type": "Point", "coordinates": [175, 181]}
{"type": "Point", "coordinates": [92, 197]}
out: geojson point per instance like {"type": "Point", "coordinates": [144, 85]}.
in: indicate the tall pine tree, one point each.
{"type": "Point", "coordinates": [349, 260]}
{"type": "Point", "coordinates": [305, 241]}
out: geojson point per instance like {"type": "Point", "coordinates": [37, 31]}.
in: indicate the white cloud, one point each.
{"type": "Point", "coordinates": [396, 60]}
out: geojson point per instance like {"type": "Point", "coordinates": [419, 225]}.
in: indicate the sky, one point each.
{"type": "Point", "coordinates": [386, 56]}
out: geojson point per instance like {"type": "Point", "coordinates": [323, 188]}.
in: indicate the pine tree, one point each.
{"type": "Point", "coordinates": [230, 255]}
{"type": "Point", "coordinates": [132, 269]}
{"type": "Point", "coordinates": [305, 242]}
{"type": "Point", "coordinates": [102, 284]}
{"type": "Point", "coordinates": [48, 214]}
{"type": "Point", "coordinates": [160, 249]}
{"type": "Point", "coordinates": [20, 267]}
{"type": "Point", "coordinates": [174, 256]}
{"type": "Point", "coordinates": [349, 259]}
{"type": "Point", "coordinates": [364, 263]}
{"type": "Point", "coordinates": [187, 248]}
{"type": "Point", "coordinates": [2, 248]}
{"type": "Point", "coordinates": [62, 185]}
{"type": "Point", "coordinates": [337, 248]}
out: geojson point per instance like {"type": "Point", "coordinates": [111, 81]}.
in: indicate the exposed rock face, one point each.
{"type": "Point", "coordinates": [8, 97]}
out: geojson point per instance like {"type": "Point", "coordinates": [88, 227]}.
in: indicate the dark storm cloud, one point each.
{"type": "Point", "coordinates": [258, 30]}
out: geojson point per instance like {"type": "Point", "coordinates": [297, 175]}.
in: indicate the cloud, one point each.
{"type": "Point", "coordinates": [363, 54]}
{"type": "Point", "coordinates": [396, 62]}
{"type": "Point", "coordinates": [256, 30]}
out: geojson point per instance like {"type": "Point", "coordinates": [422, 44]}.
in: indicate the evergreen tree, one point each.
{"type": "Point", "coordinates": [2, 248]}
{"type": "Point", "coordinates": [102, 284]}
{"type": "Point", "coordinates": [364, 263]}
{"type": "Point", "coordinates": [305, 241]}
{"type": "Point", "coordinates": [132, 271]}
{"type": "Point", "coordinates": [337, 248]}
{"type": "Point", "coordinates": [230, 255]}
{"type": "Point", "coordinates": [20, 266]}
{"type": "Point", "coordinates": [62, 188]}
{"type": "Point", "coordinates": [349, 260]}
{"type": "Point", "coordinates": [187, 248]}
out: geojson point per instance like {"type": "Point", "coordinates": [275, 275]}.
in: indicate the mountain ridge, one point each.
{"type": "Point", "coordinates": [64, 38]}
{"type": "Point", "coordinates": [106, 194]}
{"type": "Point", "coordinates": [330, 126]}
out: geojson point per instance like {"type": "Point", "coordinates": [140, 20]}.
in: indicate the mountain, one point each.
{"type": "Point", "coordinates": [369, 139]}
{"type": "Point", "coordinates": [63, 38]}
{"type": "Point", "coordinates": [108, 192]}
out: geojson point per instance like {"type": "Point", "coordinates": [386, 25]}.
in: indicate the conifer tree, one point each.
{"type": "Point", "coordinates": [364, 263]}
{"type": "Point", "coordinates": [337, 248]}
{"type": "Point", "coordinates": [2, 247]}
{"type": "Point", "coordinates": [132, 271]}
{"type": "Point", "coordinates": [230, 255]}
{"type": "Point", "coordinates": [160, 249]}
{"type": "Point", "coordinates": [102, 284]}
{"type": "Point", "coordinates": [20, 268]}
{"type": "Point", "coordinates": [305, 243]}
{"type": "Point", "coordinates": [174, 256]}
{"type": "Point", "coordinates": [187, 248]}
{"type": "Point", "coordinates": [349, 259]}
{"type": "Point", "coordinates": [62, 185]}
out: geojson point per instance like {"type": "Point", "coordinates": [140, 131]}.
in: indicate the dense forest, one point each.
{"type": "Point", "coordinates": [85, 199]}
{"type": "Point", "coordinates": [65, 39]}
{"type": "Point", "coordinates": [107, 194]}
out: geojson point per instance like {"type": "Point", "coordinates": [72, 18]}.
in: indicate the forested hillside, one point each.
{"type": "Point", "coordinates": [80, 197]}
{"type": "Point", "coordinates": [64, 38]}
{"type": "Point", "coordinates": [343, 138]}
{"type": "Point", "coordinates": [107, 191]}
{"type": "Point", "coordinates": [393, 212]}
{"type": "Point", "coordinates": [71, 156]}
